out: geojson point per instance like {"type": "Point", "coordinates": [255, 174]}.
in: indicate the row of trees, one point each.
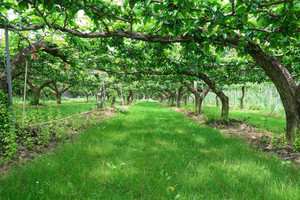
{"type": "Point", "coordinates": [213, 41]}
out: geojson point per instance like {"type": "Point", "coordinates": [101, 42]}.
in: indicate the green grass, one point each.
{"type": "Point", "coordinates": [50, 110]}
{"type": "Point", "coordinates": [141, 154]}
{"type": "Point", "coordinates": [18, 101]}
{"type": "Point", "coordinates": [275, 124]}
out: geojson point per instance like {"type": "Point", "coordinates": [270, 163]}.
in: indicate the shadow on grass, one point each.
{"type": "Point", "coordinates": [142, 154]}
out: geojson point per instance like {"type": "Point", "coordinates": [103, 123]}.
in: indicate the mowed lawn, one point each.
{"type": "Point", "coordinates": [152, 152]}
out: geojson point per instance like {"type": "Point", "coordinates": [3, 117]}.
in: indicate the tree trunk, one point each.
{"type": "Point", "coordinates": [217, 91]}
{"type": "Point", "coordinates": [217, 101]}
{"type": "Point", "coordinates": [87, 97]}
{"type": "Point", "coordinates": [178, 97]}
{"type": "Point", "coordinates": [36, 97]}
{"type": "Point", "coordinates": [128, 99]}
{"type": "Point", "coordinates": [184, 98]}
{"type": "Point", "coordinates": [172, 97]}
{"type": "Point", "coordinates": [202, 96]}
{"type": "Point", "coordinates": [58, 97]}
{"type": "Point", "coordinates": [112, 102]}
{"type": "Point", "coordinates": [37, 91]}
{"type": "Point", "coordinates": [172, 101]}
{"type": "Point", "coordinates": [285, 85]}
{"type": "Point", "coordinates": [196, 94]}
{"type": "Point", "coordinates": [242, 98]}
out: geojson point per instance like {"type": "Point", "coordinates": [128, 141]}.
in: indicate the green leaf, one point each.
{"type": "Point", "coordinates": [240, 9]}
{"type": "Point", "coordinates": [23, 5]}
{"type": "Point", "coordinates": [206, 48]}
{"type": "Point", "coordinates": [232, 34]}
{"type": "Point", "coordinates": [132, 3]}
{"type": "Point", "coordinates": [139, 13]}
{"type": "Point", "coordinates": [245, 18]}
{"type": "Point", "coordinates": [48, 4]}
{"type": "Point", "coordinates": [210, 28]}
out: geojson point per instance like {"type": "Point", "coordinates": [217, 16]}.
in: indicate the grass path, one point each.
{"type": "Point", "coordinates": [152, 152]}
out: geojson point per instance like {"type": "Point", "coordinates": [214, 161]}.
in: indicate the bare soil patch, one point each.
{"type": "Point", "coordinates": [255, 137]}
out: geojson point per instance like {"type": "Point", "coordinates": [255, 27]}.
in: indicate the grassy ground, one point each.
{"type": "Point", "coordinates": [275, 124]}
{"type": "Point", "coordinates": [50, 110]}
{"type": "Point", "coordinates": [18, 101]}
{"type": "Point", "coordinates": [152, 152]}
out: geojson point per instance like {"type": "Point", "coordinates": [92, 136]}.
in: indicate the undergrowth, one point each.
{"type": "Point", "coordinates": [35, 133]}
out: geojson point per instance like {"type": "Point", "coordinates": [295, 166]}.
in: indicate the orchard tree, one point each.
{"type": "Point", "coordinates": [257, 28]}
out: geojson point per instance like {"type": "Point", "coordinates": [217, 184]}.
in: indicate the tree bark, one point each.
{"type": "Point", "coordinates": [172, 96]}
{"type": "Point", "coordinates": [87, 97]}
{"type": "Point", "coordinates": [202, 96]}
{"type": "Point", "coordinates": [22, 56]}
{"type": "Point", "coordinates": [184, 98]}
{"type": "Point", "coordinates": [217, 101]}
{"type": "Point", "coordinates": [58, 98]}
{"type": "Point", "coordinates": [112, 102]}
{"type": "Point", "coordinates": [59, 92]}
{"type": "Point", "coordinates": [36, 97]}
{"type": "Point", "coordinates": [37, 91]}
{"type": "Point", "coordinates": [217, 91]}
{"type": "Point", "coordinates": [242, 97]}
{"type": "Point", "coordinates": [197, 96]}
{"type": "Point", "coordinates": [129, 97]}
{"type": "Point", "coordinates": [178, 96]}
{"type": "Point", "coordinates": [285, 85]}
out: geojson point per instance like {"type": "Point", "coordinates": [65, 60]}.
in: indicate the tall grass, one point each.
{"type": "Point", "coordinates": [152, 152]}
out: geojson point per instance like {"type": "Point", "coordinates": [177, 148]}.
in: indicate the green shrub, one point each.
{"type": "Point", "coordinates": [296, 143]}
{"type": "Point", "coordinates": [8, 145]}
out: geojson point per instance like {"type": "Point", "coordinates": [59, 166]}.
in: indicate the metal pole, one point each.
{"type": "Point", "coordinates": [104, 91]}
{"type": "Point", "coordinates": [25, 92]}
{"type": "Point", "coordinates": [203, 95]}
{"type": "Point", "coordinates": [9, 74]}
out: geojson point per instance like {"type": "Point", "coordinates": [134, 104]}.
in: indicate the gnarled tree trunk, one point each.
{"type": "Point", "coordinates": [37, 91]}
{"type": "Point", "coordinates": [242, 97]}
{"type": "Point", "coordinates": [59, 92]}
{"type": "Point", "coordinates": [286, 87]}
{"type": "Point", "coordinates": [202, 96]}
{"type": "Point", "coordinates": [197, 96]}
{"type": "Point", "coordinates": [172, 96]}
{"type": "Point", "coordinates": [217, 101]}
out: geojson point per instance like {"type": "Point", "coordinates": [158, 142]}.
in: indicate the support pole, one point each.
{"type": "Point", "coordinates": [9, 74]}
{"type": "Point", "coordinates": [273, 108]}
{"type": "Point", "coordinates": [24, 98]}
{"type": "Point", "coordinates": [203, 95]}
